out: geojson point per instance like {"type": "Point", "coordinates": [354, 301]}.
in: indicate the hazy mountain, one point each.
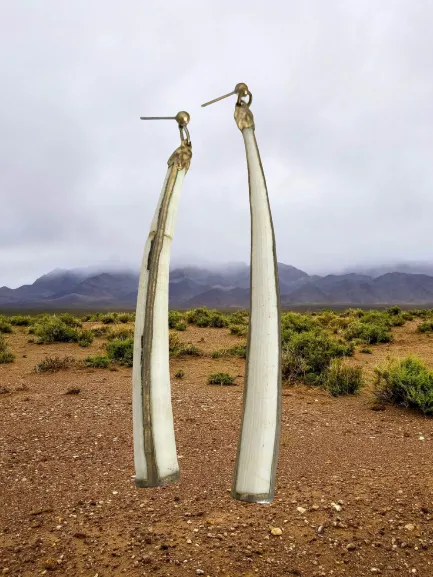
{"type": "Point", "coordinates": [221, 286]}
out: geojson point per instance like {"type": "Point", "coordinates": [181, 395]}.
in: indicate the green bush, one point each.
{"type": "Point", "coordinates": [366, 351]}
{"type": "Point", "coordinates": [425, 327]}
{"type": "Point", "coordinates": [121, 351]}
{"type": "Point", "coordinates": [126, 317]}
{"type": "Point", "coordinates": [5, 355]}
{"type": "Point", "coordinates": [406, 383]}
{"type": "Point", "coordinates": [220, 379]}
{"type": "Point", "coordinates": [97, 361]}
{"type": "Point", "coordinates": [180, 374]}
{"type": "Point", "coordinates": [307, 355]}
{"type": "Point", "coordinates": [120, 333]}
{"type": "Point", "coordinates": [239, 330]}
{"type": "Point", "coordinates": [174, 317]}
{"type": "Point", "coordinates": [100, 331]}
{"type": "Point", "coordinates": [341, 379]}
{"type": "Point", "coordinates": [203, 317]}
{"type": "Point", "coordinates": [179, 349]}
{"type": "Point", "coordinates": [84, 338]}
{"type": "Point", "coordinates": [53, 330]}
{"type": "Point", "coordinates": [298, 323]}
{"type": "Point", "coordinates": [181, 326]}
{"type": "Point", "coordinates": [20, 321]}
{"type": "Point", "coordinates": [108, 318]}
{"type": "Point", "coordinates": [239, 317]}
{"type": "Point", "coordinates": [70, 320]}
{"type": "Point", "coordinates": [368, 333]}
{"type": "Point", "coordinates": [54, 364]}
{"type": "Point", "coordinates": [5, 326]}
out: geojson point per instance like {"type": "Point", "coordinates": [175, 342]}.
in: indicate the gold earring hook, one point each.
{"type": "Point", "coordinates": [241, 90]}
{"type": "Point", "coordinates": [182, 118]}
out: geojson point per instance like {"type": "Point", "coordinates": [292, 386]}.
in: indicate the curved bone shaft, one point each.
{"type": "Point", "coordinates": [256, 462]}
{"type": "Point", "coordinates": [153, 429]}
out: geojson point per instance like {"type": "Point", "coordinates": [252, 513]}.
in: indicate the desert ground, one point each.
{"type": "Point", "coordinates": [354, 493]}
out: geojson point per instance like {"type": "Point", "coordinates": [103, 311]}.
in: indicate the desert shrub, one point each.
{"type": "Point", "coordinates": [180, 374]}
{"type": "Point", "coordinates": [53, 330]}
{"type": "Point", "coordinates": [84, 338]}
{"type": "Point", "coordinates": [408, 315]}
{"type": "Point", "coordinates": [121, 351]}
{"type": "Point", "coordinates": [100, 331]}
{"type": "Point", "coordinates": [5, 326]}
{"type": "Point", "coordinates": [308, 354]}
{"type": "Point", "coordinates": [94, 317]}
{"type": "Point", "coordinates": [54, 364]}
{"type": "Point", "coordinates": [179, 349]}
{"type": "Point", "coordinates": [120, 333]}
{"type": "Point", "coordinates": [97, 361]}
{"type": "Point", "coordinates": [421, 313]}
{"type": "Point", "coordinates": [239, 330]}
{"type": "Point", "coordinates": [220, 379]}
{"type": "Point", "coordinates": [326, 317]}
{"type": "Point", "coordinates": [181, 326]}
{"type": "Point", "coordinates": [298, 322]}
{"type": "Point", "coordinates": [5, 355]}
{"type": "Point", "coordinates": [342, 379]}
{"type": "Point", "coordinates": [235, 351]}
{"type": "Point", "coordinates": [20, 321]}
{"type": "Point", "coordinates": [108, 318]}
{"type": "Point", "coordinates": [354, 313]}
{"type": "Point", "coordinates": [407, 383]}
{"type": "Point", "coordinates": [203, 317]}
{"type": "Point", "coordinates": [239, 317]}
{"type": "Point", "coordinates": [366, 351]}
{"type": "Point", "coordinates": [126, 317]}
{"type": "Point", "coordinates": [368, 332]}
{"type": "Point", "coordinates": [174, 317]}
{"type": "Point", "coordinates": [70, 320]}
{"type": "Point", "coordinates": [425, 327]}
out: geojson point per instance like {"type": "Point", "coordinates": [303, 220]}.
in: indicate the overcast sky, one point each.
{"type": "Point", "coordinates": [343, 97]}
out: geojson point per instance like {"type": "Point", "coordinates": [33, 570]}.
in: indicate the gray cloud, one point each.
{"type": "Point", "coordinates": [342, 102]}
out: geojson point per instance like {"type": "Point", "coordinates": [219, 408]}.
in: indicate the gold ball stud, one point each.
{"type": "Point", "coordinates": [182, 118]}
{"type": "Point", "coordinates": [242, 89]}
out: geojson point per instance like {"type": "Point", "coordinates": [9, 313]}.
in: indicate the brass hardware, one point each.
{"type": "Point", "coordinates": [243, 115]}
{"type": "Point", "coordinates": [182, 118]}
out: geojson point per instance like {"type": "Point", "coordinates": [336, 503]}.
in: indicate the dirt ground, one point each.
{"type": "Point", "coordinates": [354, 492]}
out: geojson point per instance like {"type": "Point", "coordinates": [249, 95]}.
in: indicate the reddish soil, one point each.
{"type": "Point", "coordinates": [69, 505]}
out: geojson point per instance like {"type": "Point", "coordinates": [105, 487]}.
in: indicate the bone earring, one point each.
{"type": "Point", "coordinates": [256, 462]}
{"type": "Point", "coordinates": [153, 429]}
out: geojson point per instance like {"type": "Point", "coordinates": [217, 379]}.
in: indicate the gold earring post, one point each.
{"type": "Point", "coordinates": [182, 118]}
{"type": "Point", "coordinates": [241, 90]}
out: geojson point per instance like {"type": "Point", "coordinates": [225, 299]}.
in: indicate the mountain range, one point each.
{"type": "Point", "coordinates": [224, 287]}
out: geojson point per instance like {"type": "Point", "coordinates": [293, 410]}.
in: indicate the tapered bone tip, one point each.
{"type": "Point", "coordinates": [251, 498]}
{"type": "Point", "coordinates": [146, 484]}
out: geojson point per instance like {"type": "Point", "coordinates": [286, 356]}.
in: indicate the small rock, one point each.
{"type": "Point", "coordinates": [336, 506]}
{"type": "Point", "coordinates": [276, 531]}
{"type": "Point", "coordinates": [73, 391]}
{"type": "Point", "coordinates": [50, 564]}
{"type": "Point", "coordinates": [301, 510]}
{"type": "Point", "coordinates": [199, 571]}
{"type": "Point", "coordinates": [375, 570]}
{"type": "Point", "coordinates": [409, 527]}
{"type": "Point", "coordinates": [351, 547]}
